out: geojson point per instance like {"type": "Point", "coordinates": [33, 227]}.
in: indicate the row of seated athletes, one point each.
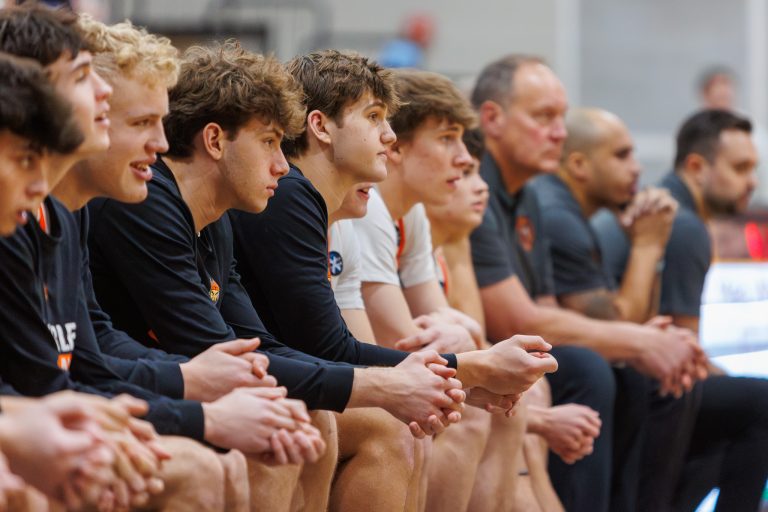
{"type": "Point", "coordinates": [713, 436]}
{"type": "Point", "coordinates": [105, 132]}
{"type": "Point", "coordinates": [401, 265]}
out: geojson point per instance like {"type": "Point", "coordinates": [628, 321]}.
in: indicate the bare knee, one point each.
{"type": "Point", "coordinates": [388, 438]}
{"type": "Point", "coordinates": [194, 477]}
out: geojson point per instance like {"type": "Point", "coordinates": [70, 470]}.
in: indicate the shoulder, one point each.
{"type": "Point", "coordinates": [689, 233]}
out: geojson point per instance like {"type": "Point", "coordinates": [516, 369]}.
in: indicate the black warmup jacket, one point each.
{"type": "Point", "coordinates": [149, 368]}
{"type": "Point", "coordinates": [170, 287]}
{"type": "Point", "coordinates": [47, 341]}
{"type": "Point", "coordinates": [282, 255]}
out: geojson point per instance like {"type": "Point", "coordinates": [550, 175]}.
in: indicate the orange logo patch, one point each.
{"type": "Point", "coordinates": [525, 233]}
{"type": "Point", "coordinates": [64, 361]}
{"type": "Point", "coordinates": [214, 291]}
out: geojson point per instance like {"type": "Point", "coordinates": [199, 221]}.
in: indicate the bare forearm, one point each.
{"type": "Point", "coordinates": [562, 327]}
{"type": "Point", "coordinates": [537, 419]}
{"type": "Point", "coordinates": [368, 387]}
{"type": "Point", "coordinates": [635, 297]}
{"type": "Point", "coordinates": [463, 291]}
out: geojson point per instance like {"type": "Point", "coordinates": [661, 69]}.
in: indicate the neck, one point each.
{"type": "Point", "coordinates": [587, 205]}
{"type": "Point", "coordinates": [698, 196]}
{"type": "Point", "coordinates": [74, 190]}
{"type": "Point", "coordinates": [201, 188]}
{"type": "Point", "coordinates": [396, 194]}
{"type": "Point", "coordinates": [514, 176]}
{"type": "Point", "coordinates": [332, 184]}
{"type": "Point", "coordinates": [444, 233]}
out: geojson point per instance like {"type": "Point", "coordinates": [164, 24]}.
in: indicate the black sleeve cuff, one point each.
{"type": "Point", "coordinates": [452, 361]}
{"type": "Point", "coordinates": [192, 420]}
{"type": "Point", "coordinates": [170, 381]}
{"type": "Point", "coordinates": [374, 355]}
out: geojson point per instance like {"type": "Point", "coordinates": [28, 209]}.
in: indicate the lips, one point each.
{"type": "Point", "coordinates": [452, 183]}
{"type": "Point", "coordinates": [142, 170]}
{"type": "Point", "coordinates": [479, 206]}
{"type": "Point", "coordinates": [103, 119]}
{"type": "Point", "coordinates": [21, 217]}
{"type": "Point", "coordinates": [271, 189]}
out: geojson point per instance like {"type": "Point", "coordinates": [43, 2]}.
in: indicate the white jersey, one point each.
{"type": "Point", "coordinates": [394, 251]}
{"type": "Point", "coordinates": [344, 265]}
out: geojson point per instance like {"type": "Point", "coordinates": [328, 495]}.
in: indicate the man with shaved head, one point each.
{"type": "Point", "coordinates": [605, 364]}
{"type": "Point", "coordinates": [598, 170]}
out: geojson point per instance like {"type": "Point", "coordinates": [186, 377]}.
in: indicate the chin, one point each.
{"type": "Point", "coordinates": [130, 194]}
{"type": "Point", "coordinates": [258, 207]}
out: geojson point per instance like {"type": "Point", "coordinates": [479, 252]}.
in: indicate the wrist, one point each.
{"type": "Point", "coordinates": [367, 387]}
{"type": "Point", "coordinates": [189, 380]}
{"type": "Point", "coordinates": [537, 419]}
{"type": "Point", "coordinates": [637, 344]}
{"type": "Point", "coordinates": [210, 430]}
{"type": "Point", "coordinates": [650, 250]}
{"type": "Point", "coordinates": [471, 368]}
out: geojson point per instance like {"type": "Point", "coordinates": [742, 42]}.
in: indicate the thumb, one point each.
{"type": "Point", "coordinates": [267, 393]}
{"type": "Point", "coordinates": [546, 363]}
{"type": "Point", "coordinates": [239, 346]}
{"type": "Point", "coordinates": [442, 370]}
{"type": "Point", "coordinates": [660, 321]}
{"type": "Point", "coordinates": [424, 321]}
{"type": "Point", "coordinates": [73, 441]}
{"type": "Point", "coordinates": [430, 356]}
{"type": "Point", "coordinates": [416, 341]}
{"type": "Point", "coordinates": [533, 343]}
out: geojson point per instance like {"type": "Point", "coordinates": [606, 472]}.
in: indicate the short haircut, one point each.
{"type": "Point", "coordinates": [428, 95]}
{"type": "Point", "coordinates": [228, 85]}
{"type": "Point", "coordinates": [37, 32]}
{"type": "Point", "coordinates": [333, 79]}
{"type": "Point", "coordinates": [473, 139]}
{"type": "Point", "coordinates": [124, 50]}
{"type": "Point", "coordinates": [700, 133]}
{"type": "Point", "coordinates": [495, 82]}
{"type": "Point", "coordinates": [30, 107]}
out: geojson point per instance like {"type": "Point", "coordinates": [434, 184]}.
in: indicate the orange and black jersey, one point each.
{"type": "Point", "coordinates": [47, 341]}
{"type": "Point", "coordinates": [168, 286]}
{"type": "Point", "coordinates": [282, 255]}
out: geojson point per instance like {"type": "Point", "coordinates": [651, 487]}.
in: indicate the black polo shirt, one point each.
{"type": "Point", "coordinates": [686, 259]}
{"type": "Point", "coordinates": [576, 258]}
{"type": "Point", "coordinates": [510, 240]}
{"type": "Point", "coordinates": [282, 256]}
{"type": "Point", "coordinates": [169, 286]}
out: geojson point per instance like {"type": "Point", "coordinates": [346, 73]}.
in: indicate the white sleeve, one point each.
{"type": "Point", "coordinates": [416, 265]}
{"type": "Point", "coordinates": [344, 258]}
{"type": "Point", "coordinates": [377, 237]}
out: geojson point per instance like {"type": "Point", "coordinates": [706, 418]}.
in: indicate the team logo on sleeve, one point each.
{"type": "Point", "coordinates": [213, 293]}
{"type": "Point", "coordinates": [335, 263]}
{"type": "Point", "coordinates": [526, 235]}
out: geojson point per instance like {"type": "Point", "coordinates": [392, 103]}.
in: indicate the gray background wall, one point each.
{"type": "Point", "coordinates": [638, 59]}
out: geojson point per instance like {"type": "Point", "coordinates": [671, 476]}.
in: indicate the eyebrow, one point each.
{"type": "Point", "coordinates": [376, 103]}
{"type": "Point", "coordinates": [273, 131]}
